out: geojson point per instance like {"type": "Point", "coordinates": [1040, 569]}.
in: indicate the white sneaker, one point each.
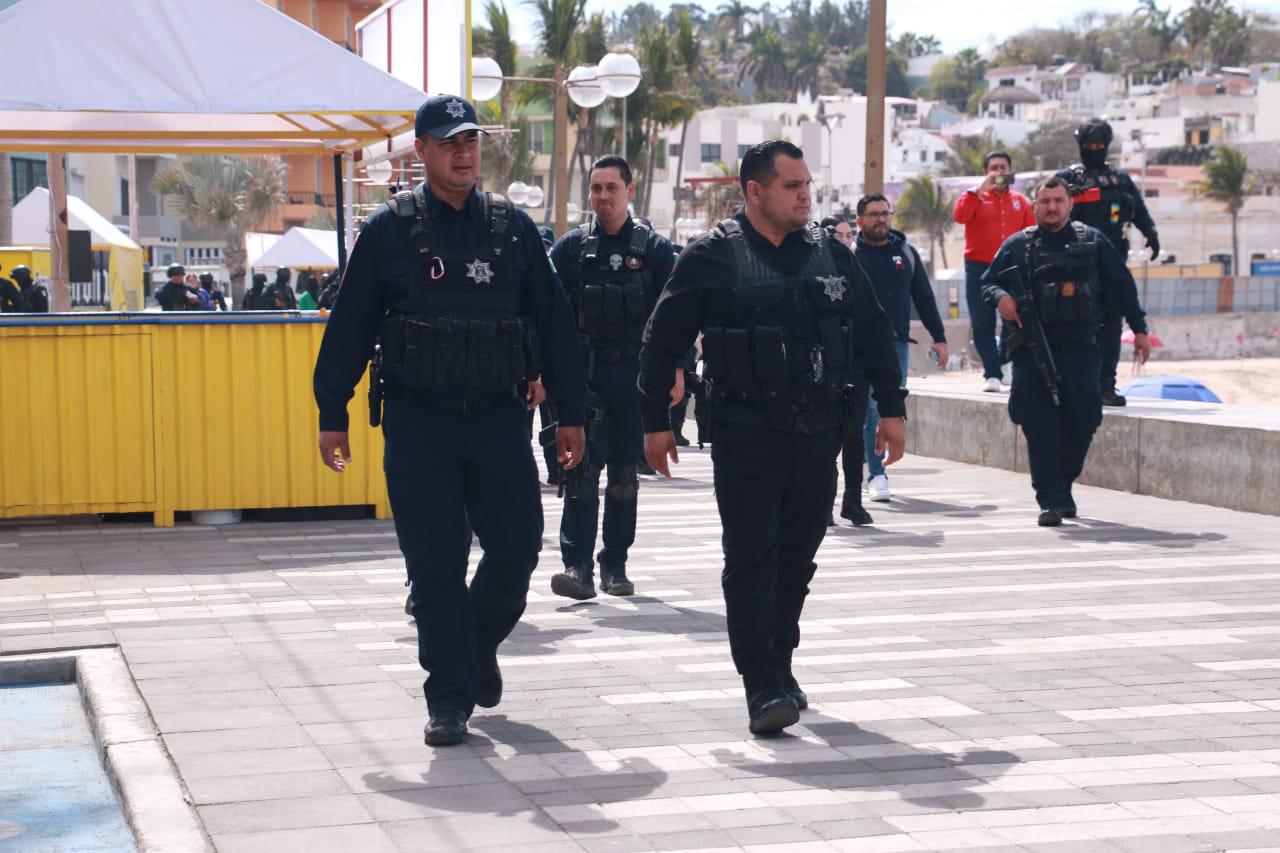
{"type": "Point", "coordinates": [878, 488]}
{"type": "Point", "coordinates": [993, 384]}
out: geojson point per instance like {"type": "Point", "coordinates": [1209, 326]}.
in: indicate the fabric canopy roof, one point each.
{"type": "Point", "coordinates": [31, 222]}
{"type": "Point", "coordinates": [187, 76]}
{"type": "Point", "coordinates": [302, 248]}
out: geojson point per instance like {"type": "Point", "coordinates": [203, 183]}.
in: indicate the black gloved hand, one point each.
{"type": "Point", "coordinates": [1153, 243]}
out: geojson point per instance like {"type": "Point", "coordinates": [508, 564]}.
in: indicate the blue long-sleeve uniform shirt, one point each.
{"type": "Point", "coordinates": [381, 256]}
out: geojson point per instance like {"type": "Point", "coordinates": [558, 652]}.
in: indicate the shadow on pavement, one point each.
{"type": "Point", "coordinates": [904, 769]}
{"type": "Point", "coordinates": [1090, 530]}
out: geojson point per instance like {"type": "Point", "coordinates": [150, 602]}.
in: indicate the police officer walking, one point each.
{"type": "Point", "coordinates": [255, 298]}
{"type": "Point", "coordinates": [456, 289]}
{"type": "Point", "coordinates": [10, 297]}
{"type": "Point", "coordinates": [1054, 277]}
{"type": "Point", "coordinates": [280, 296]}
{"type": "Point", "coordinates": [613, 269]}
{"type": "Point", "coordinates": [1107, 199]}
{"type": "Point", "coordinates": [175, 295]}
{"type": "Point", "coordinates": [785, 314]}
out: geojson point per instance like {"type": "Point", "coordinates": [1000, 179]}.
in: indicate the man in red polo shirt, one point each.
{"type": "Point", "coordinates": [989, 213]}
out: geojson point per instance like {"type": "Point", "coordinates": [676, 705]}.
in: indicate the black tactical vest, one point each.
{"type": "Point", "coordinates": [1114, 209]}
{"type": "Point", "coordinates": [1064, 283]}
{"type": "Point", "coordinates": [611, 297]}
{"type": "Point", "coordinates": [787, 341]}
{"type": "Point", "coordinates": [454, 326]}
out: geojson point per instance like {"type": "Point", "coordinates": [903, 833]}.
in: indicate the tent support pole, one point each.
{"type": "Point", "coordinates": [58, 261]}
{"type": "Point", "coordinates": [340, 206]}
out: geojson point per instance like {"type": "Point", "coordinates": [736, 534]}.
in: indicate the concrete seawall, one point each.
{"type": "Point", "coordinates": [1227, 456]}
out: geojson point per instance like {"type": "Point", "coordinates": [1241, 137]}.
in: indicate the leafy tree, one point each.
{"type": "Point", "coordinates": [731, 17]}
{"type": "Point", "coordinates": [1229, 40]}
{"type": "Point", "coordinates": [1228, 181]}
{"type": "Point", "coordinates": [925, 207]}
{"type": "Point", "coordinates": [1049, 146]}
{"type": "Point", "coordinates": [688, 45]}
{"type": "Point", "coordinates": [558, 23]}
{"type": "Point", "coordinates": [233, 195]}
{"type": "Point", "coordinates": [766, 63]}
{"type": "Point", "coordinates": [634, 20]}
{"type": "Point", "coordinates": [808, 66]}
{"type": "Point", "coordinates": [911, 45]}
{"type": "Point", "coordinates": [854, 73]}
{"type": "Point", "coordinates": [500, 150]}
{"type": "Point", "coordinates": [965, 157]}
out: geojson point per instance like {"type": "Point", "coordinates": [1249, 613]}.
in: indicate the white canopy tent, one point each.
{"type": "Point", "coordinates": [302, 248]}
{"type": "Point", "coordinates": [132, 76]}
{"type": "Point", "coordinates": [140, 78]}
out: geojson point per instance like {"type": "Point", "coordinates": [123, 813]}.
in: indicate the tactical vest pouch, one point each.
{"type": "Point", "coordinates": [1066, 302]}
{"type": "Point", "coordinates": [761, 296]}
{"type": "Point", "coordinates": [636, 304]}
{"type": "Point", "coordinates": [713, 354]}
{"type": "Point", "coordinates": [771, 368]}
{"type": "Point", "coordinates": [833, 335]}
{"type": "Point", "coordinates": [737, 361]}
{"type": "Point", "coordinates": [614, 312]}
{"type": "Point", "coordinates": [483, 367]}
{"type": "Point", "coordinates": [419, 352]}
{"type": "Point", "coordinates": [592, 311]}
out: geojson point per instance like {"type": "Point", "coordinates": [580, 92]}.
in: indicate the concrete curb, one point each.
{"type": "Point", "coordinates": [155, 802]}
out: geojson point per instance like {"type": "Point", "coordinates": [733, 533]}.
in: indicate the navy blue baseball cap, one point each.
{"type": "Point", "coordinates": [443, 116]}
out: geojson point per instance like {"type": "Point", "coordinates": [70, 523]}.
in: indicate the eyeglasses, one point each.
{"type": "Point", "coordinates": [880, 215]}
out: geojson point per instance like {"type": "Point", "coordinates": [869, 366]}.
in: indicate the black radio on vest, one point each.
{"type": "Point", "coordinates": [788, 342]}
{"type": "Point", "coordinates": [611, 299]}
{"type": "Point", "coordinates": [456, 328]}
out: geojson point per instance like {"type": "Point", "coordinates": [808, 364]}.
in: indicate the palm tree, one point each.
{"type": "Point", "coordinates": [732, 15]}
{"type": "Point", "coordinates": [1227, 180]}
{"type": "Point", "coordinates": [558, 23]}
{"type": "Point", "coordinates": [500, 149]}
{"type": "Point", "coordinates": [766, 62]}
{"type": "Point", "coordinates": [589, 44]}
{"type": "Point", "coordinates": [688, 46]}
{"type": "Point", "coordinates": [926, 207]}
{"type": "Point", "coordinates": [808, 61]}
{"type": "Point", "coordinates": [231, 194]}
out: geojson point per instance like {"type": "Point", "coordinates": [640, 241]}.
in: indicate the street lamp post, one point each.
{"type": "Point", "coordinates": [619, 74]}
{"type": "Point", "coordinates": [583, 86]}
{"type": "Point", "coordinates": [826, 119]}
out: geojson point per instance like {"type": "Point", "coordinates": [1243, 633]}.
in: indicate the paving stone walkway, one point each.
{"type": "Point", "coordinates": [977, 682]}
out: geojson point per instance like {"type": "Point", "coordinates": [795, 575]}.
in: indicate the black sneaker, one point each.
{"type": "Point", "coordinates": [613, 580]}
{"type": "Point", "coordinates": [489, 683]}
{"type": "Point", "coordinates": [681, 441]}
{"type": "Point", "coordinates": [574, 582]}
{"type": "Point", "coordinates": [772, 716]}
{"type": "Point", "coordinates": [1111, 398]}
{"type": "Point", "coordinates": [445, 729]}
{"type": "Point", "coordinates": [1049, 518]}
{"type": "Point", "coordinates": [855, 513]}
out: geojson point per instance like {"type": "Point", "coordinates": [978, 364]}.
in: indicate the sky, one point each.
{"type": "Point", "coordinates": [957, 24]}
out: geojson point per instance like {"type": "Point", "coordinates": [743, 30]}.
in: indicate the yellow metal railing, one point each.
{"type": "Point", "coordinates": [135, 413]}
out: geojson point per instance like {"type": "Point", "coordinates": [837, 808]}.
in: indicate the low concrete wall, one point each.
{"type": "Point", "coordinates": [1251, 335]}
{"type": "Point", "coordinates": [1227, 456]}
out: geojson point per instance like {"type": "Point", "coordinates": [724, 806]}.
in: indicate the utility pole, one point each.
{"type": "Point", "coordinates": [873, 182]}
{"type": "Point", "coordinates": [133, 297]}
{"type": "Point", "coordinates": [58, 260]}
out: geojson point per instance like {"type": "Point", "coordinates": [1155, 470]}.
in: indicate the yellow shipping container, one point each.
{"type": "Point", "coordinates": [125, 413]}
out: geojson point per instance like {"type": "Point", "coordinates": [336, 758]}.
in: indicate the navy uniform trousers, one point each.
{"type": "Point", "coordinates": [618, 448]}
{"type": "Point", "coordinates": [774, 491]}
{"type": "Point", "coordinates": [445, 469]}
{"type": "Point", "coordinates": [1058, 437]}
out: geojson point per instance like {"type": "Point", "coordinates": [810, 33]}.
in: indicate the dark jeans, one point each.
{"type": "Point", "coordinates": [1058, 437]}
{"type": "Point", "coordinates": [444, 469]}
{"type": "Point", "coordinates": [774, 492]}
{"type": "Point", "coordinates": [854, 448]}
{"type": "Point", "coordinates": [983, 318]}
{"type": "Point", "coordinates": [1109, 344]}
{"type": "Point", "coordinates": [617, 448]}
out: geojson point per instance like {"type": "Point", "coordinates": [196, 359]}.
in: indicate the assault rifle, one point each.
{"type": "Point", "coordinates": [1031, 333]}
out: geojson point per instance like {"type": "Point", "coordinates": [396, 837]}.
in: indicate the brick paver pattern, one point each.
{"type": "Point", "coordinates": [976, 682]}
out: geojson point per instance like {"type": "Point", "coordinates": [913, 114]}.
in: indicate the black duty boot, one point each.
{"type": "Point", "coordinates": [575, 582]}
{"type": "Point", "coordinates": [645, 468]}
{"type": "Point", "coordinates": [681, 441]}
{"type": "Point", "coordinates": [613, 580]}
{"type": "Point", "coordinates": [489, 682]}
{"type": "Point", "coordinates": [445, 729]}
{"type": "Point", "coordinates": [408, 605]}
{"type": "Point", "coordinates": [1049, 518]}
{"type": "Point", "coordinates": [1110, 397]}
{"type": "Point", "coordinates": [1068, 509]}
{"type": "Point", "coordinates": [769, 716]}
{"type": "Point", "coordinates": [856, 514]}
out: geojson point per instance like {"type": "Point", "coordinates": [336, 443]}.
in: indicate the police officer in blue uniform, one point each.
{"type": "Point", "coordinates": [1107, 200]}
{"type": "Point", "coordinates": [1069, 270]}
{"type": "Point", "coordinates": [454, 287]}
{"type": "Point", "coordinates": [613, 268]}
{"type": "Point", "coordinates": [785, 316]}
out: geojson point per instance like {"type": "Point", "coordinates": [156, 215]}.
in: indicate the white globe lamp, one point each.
{"type": "Point", "coordinates": [518, 192]}
{"type": "Point", "coordinates": [486, 78]}
{"type": "Point", "coordinates": [619, 74]}
{"type": "Point", "coordinates": [535, 197]}
{"type": "Point", "coordinates": [584, 89]}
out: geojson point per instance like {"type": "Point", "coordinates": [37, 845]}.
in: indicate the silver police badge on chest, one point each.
{"type": "Point", "coordinates": [479, 271]}
{"type": "Point", "coordinates": [833, 286]}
